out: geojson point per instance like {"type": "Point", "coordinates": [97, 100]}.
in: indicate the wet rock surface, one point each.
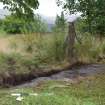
{"type": "Point", "coordinates": [69, 75]}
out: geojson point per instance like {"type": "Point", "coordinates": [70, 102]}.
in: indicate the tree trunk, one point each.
{"type": "Point", "coordinates": [71, 56]}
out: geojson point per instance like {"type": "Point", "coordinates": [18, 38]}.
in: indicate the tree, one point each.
{"type": "Point", "coordinates": [20, 26]}
{"type": "Point", "coordinates": [60, 23]}
{"type": "Point", "coordinates": [85, 6]}
{"type": "Point", "coordinates": [93, 12]}
{"type": "Point", "coordinates": [99, 18]}
{"type": "Point", "coordinates": [68, 5]}
{"type": "Point", "coordinates": [21, 8]}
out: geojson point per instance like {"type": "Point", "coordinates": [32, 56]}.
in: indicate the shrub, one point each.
{"type": "Point", "coordinates": [13, 25]}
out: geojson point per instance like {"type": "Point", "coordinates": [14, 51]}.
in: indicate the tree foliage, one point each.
{"type": "Point", "coordinates": [99, 18]}
{"type": "Point", "coordinates": [93, 12]}
{"type": "Point", "coordinates": [60, 23]}
{"type": "Point", "coordinates": [21, 8]}
{"type": "Point", "coordinates": [21, 26]}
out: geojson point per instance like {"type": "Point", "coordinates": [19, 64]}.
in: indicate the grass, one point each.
{"type": "Point", "coordinates": [90, 49]}
{"type": "Point", "coordinates": [88, 92]}
{"type": "Point", "coordinates": [2, 33]}
{"type": "Point", "coordinates": [52, 47]}
{"type": "Point", "coordinates": [31, 50]}
{"type": "Point", "coordinates": [23, 53]}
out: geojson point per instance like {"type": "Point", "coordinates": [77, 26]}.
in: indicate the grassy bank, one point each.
{"type": "Point", "coordinates": [31, 51]}
{"type": "Point", "coordinates": [25, 54]}
{"type": "Point", "coordinates": [51, 48]}
{"type": "Point", "coordinates": [89, 91]}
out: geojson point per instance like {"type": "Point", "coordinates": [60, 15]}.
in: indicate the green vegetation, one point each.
{"type": "Point", "coordinates": [19, 26]}
{"type": "Point", "coordinates": [88, 92]}
{"type": "Point", "coordinates": [41, 51]}
{"type": "Point", "coordinates": [34, 51]}
{"type": "Point", "coordinates": [23, 9]}
{"type": "Point", "coordinates": [90, 49]}
{"type": "Point", "coordinates": [60, 24]}
{"type": "Point", "coordinates": [92, 13]}
{"type": "Point", "coordinates": [15, 63]}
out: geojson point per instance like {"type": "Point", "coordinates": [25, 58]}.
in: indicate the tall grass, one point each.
{"type": "Point", "coordinates": [90, 49]}
{"type": "Point", "coordinates": [44, 47]}
{"type": "Point", "coordinates": [28, 52]}
{"type": "Point", "coordinates": [40, 50]}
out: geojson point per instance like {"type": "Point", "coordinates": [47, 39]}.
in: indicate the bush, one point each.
{"type": "Point", "coordinates": [13, 25]}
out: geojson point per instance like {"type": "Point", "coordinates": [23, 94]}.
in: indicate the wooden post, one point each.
{"type": "Point", "coordinates": [71, 56]}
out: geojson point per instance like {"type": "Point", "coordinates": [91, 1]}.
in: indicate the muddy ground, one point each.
{"type": "Point", "coordinates": [70, 73]}
{"type": "Point", "coordinates": [73, 75]}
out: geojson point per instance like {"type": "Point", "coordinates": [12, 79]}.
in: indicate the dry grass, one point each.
{"type": "Point", "coordinates": [6, 42]}
{"type": "Point", "coordinates": [4, 45]}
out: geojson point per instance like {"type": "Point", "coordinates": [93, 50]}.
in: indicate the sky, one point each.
{"type": "Point", "coordinates": [47, 8]}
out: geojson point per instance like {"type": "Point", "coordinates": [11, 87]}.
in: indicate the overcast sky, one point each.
{"type": "Point", "coordinates": [46, 7]}
{"type": "Point", "coordinates": [49, 8]}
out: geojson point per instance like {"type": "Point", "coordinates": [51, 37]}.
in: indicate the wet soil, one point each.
{"type": "Point", "coordinates": [9, 79]}
{"type": "Point", "coordinates": [69, 75]}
